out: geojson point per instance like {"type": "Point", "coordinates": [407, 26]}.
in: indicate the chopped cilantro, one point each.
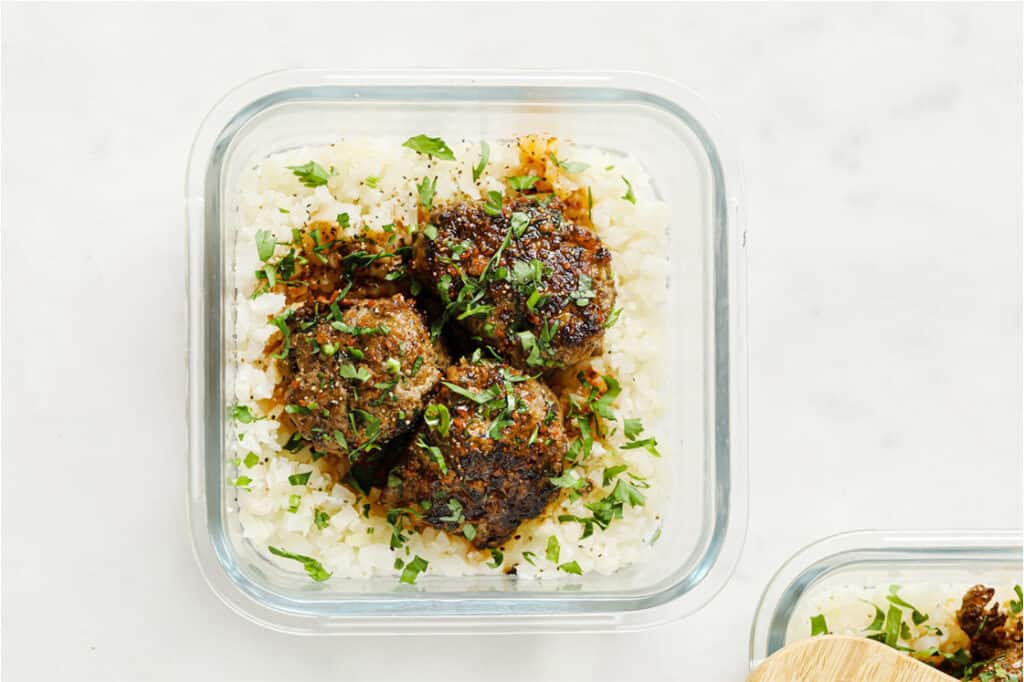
{"type": "Point", "coordinates": [265, 245]}
{"type": "Point", "coordinates": [569, 166]}
{"type": "Point", "coordinates": [242, 482]}
{"type": "Point", "coordinates": [818, 625]}
{"type": "Point", "coordinates": [553, 550]}
{"type": "Point", "coordinates": [570, 567]}
{"type": "Point", "coordinates": [629, 196]}
{"type": "Point", "coordinates": [1017, 604]}
{"type": "Point", "coordinates": [349, 371]}
{"type": "Point", "coordinates": [519, 223]}
{"type": "Point", "coordinates": [611, 472]}
{"type": "Point", "coordinates": [435, 454]}
{"type": "Point", "coordinates": [469, 530]}
{"type": "Point", "coordinates": [310, 174]}
{"type": "Point", "coordinates": [321, 519]}
{"type": "Point", "coordinates": [455, 509]}
{"type": "Point", "coordinates": [251, 460]}
{"type": "Point", "coordinates": [293, 503]}
{"type": "Point", "coordinates": [522, 182]}
{"type": "Point", "coordinates": [438, 418]}
{"type": "Point", "coordinates": [492, 206]}
{"type": "Point", "coordinates": [632, 428]}
{"type": "Point", "coordinates": [413, 569]}
{"type": "Point", "coordinates": [426, 191]}
{"type": "Point", "coordinates": [893, 598]}
{"type": "Point", "coordinates": [612, 318]}
{"type": "Point", "coordinates": [431, 146]}
{"type": "Point", "coordinates": [497, 558]}
{"type": "Point", "coordinates": [299, 479]}
{"type": "Point", "coordinates": [485, 155]}
{"type": "Point", "coordinates": [242, 414]}
{"type": "Point", "coordinates": [313, 567]}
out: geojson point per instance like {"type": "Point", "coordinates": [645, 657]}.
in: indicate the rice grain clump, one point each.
{"type": "Point", "coordinates": [299, 501]}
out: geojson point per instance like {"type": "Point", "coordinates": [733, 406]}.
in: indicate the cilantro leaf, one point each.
{"type": "Point", "coordinates": [632, 428]}
{"type": "Point", "coordinates": [426, 190]}
{"type": "Point", "coordinates": [310, 174]}
{"type": "Point", "coordinates": [265, 244]}
{"type": "Point", "coordinates": [1017, 604]}
{"type": "Point", "coordinates": [569, 166]}
{"type": "Point", "coordinates": [413, 569]}
{"type": "Point", "coordinates": [628, 196]}
{"type": "Point", "coordinates": [492, 206]}
{"type": "Point", "coordinates": [299, 479]}
{"type": "Point", "coordinates": [485, 156]}
{"type": "Point", "coordinates": [431, 146]}
{"type": "Point", "coordinates": [553, 550]}
{"type": "Point", "coordinates": [438, 418]}
{"type": "Point", "coordinates": [522, 182]}
{"type": "Point", "coordinates": [571, 567]}
{"type": "Point", "coordinates": [313, 567]}
{"type": "Point", "coordinates": [242, 414]}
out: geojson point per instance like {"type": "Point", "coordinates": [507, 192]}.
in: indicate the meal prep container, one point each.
{"type": "Point", "coordinates": [873, 557]}
{"type": "Point", "coordinates": [661, 124]}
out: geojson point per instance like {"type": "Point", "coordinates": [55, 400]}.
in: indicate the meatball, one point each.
{"type": "Point", "coordinates": [992, 639]}
{"type": "Point", "coordinates": [531, 284]}
{"type": "Point", "coordinates": [482, 462]}
{"type": "Point", "coordinates": [357, 373]}
{"type": "Point", "coordinates": [369, 265]}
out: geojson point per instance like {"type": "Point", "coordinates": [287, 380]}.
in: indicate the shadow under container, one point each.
{"type": "Point", "coordinates": [659, 123]}
{"type": "Point", "coordinates": [870, 558]}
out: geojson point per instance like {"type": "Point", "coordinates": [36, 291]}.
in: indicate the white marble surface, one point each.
{"type": "Point", "coordinates": [882, 153]}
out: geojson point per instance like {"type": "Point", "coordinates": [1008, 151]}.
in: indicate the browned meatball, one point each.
{"type": "Point", "coordinates": [992, 639]}
{"type": "Point", "coordinates": [357, 373]}
{"type": "Point", "coordinates": [487, 470]}
{"type": "Point", "coordinates": [530, 283]}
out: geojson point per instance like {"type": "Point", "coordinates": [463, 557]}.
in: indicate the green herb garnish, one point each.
{"type": "Point", "coordinates": [299, 479]}
{"type": "Point", "coordinates": [313, 567]}
{"type": "Point", "coordinates": [413, 569]}
{"type": "Point", "coordinates": [438, 418]}
{"type": "Point", "coordinates": [265, 245]}
{"type": "Point", "coordinates": [431, 146]}
{"type": "Point", "coordinates": [522, 182]}
{"type": "Point", "coordinates": [570, 567]}
{"type": "Point", "coordinates": [426, 191]}
{"type": "Point", "coordinates": [485, 155]}
{"type": "Point", "coordinates": [553, 550]}
{"type": "Point", "coordinates": [629, 196]}
{"type": "Point", "coordinates": [242, 414]}
{"type": "Point", "coordinates": [311, 174]}
{"type": "Point", "coordinates": [492, 206]}
{"type": "Point", "coordinates": [818, 625]}
{"type": "Point", "coordinates": [569, 166]}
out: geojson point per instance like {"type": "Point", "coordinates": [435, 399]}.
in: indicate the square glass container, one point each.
{"type": "Point", "coordinates": [872, 557]}
{"type": "Point", "coordinates": [658, 122]}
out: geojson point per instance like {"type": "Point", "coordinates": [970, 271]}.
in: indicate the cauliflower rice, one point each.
{"type": "Point", "coordinates": [850, 610]}
{"type": "Point", "coordinates": [352, 544]}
